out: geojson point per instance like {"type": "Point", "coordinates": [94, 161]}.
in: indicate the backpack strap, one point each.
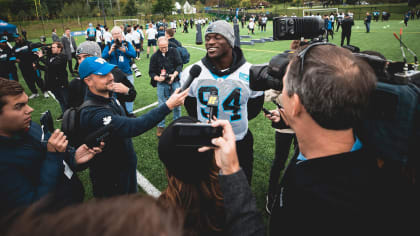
{"type": "Point", "coordinates": [93, 103]}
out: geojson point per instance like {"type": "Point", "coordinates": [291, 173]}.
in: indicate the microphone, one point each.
{"type": "Point", "coordinates": [194, 73]}
{"type": "Point", "coordinates": [213, 103]}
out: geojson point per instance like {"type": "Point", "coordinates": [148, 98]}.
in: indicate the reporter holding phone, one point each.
{"type": "Point", "coordinates": [34, 164]}
{"type": "Point", "coordinates": [115, 172]}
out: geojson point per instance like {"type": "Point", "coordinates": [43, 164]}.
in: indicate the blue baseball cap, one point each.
{"type": "Point", "coordinates": [3, 39]}
{"type": "Point", "coordinates": [94, 65]}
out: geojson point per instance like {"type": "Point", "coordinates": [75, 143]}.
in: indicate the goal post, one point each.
{"type": "Point", "coordinates": [126, 22]}
{"type": "Point", "coordinates": [321, 11]}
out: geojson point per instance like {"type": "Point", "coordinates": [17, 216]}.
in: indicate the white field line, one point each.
{"type": "Point", "coordinates": [201, 49]}
{"type": "Point", "coordinates": [147, 186]}
{"type": "Point", "coordinates": [146, 107]}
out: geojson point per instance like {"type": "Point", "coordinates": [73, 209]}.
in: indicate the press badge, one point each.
{"type": "Point", "coordinates": [121, 59]}
{"type": "Point", "coordinates": [67, 171]}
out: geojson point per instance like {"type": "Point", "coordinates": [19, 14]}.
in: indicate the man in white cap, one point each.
{"type": "Point", "coordinates": [226, 73]}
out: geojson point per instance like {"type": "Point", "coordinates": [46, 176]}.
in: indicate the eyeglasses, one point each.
{"type": "Point", "coordinates": [302, 54]}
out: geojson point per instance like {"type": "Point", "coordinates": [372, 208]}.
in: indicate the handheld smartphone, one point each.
{"type": "Point", "coordinates": [101, 135]}
{"type": "Point", "coordinates": [267, 112]}
{"type": "Point", "coordinates": [195, 134]}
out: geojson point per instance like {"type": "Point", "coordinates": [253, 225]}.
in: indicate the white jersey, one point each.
{"type": "Point", "coordinates": [98, 36]}
{"type": "Point", "coordinates": [233, 91]}
{"type": "Point", "coordinates": [129, 38]}
{"type": "Point", "coordinates": [107, 37]}
{"type": "Point", "coordinates": [136, 37]}
{"type": "Point", "coordinates": [151, 33]}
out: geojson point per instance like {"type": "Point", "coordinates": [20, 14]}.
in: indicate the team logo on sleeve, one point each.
{"type": "Point", "coordinates": [244, 77]}
{"type": "Point", "coordinates": [107, 120]}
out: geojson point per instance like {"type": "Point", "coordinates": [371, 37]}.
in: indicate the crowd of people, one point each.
{"type": "Point", "coordinates": [332, 183]}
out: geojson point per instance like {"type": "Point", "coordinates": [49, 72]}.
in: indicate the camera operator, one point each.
{"type": "Point", "coordinates": [57, 77]}
{"type": "Point", "coordinates": [120, 54]}
{"type": "Point", "coordinates": [334, 183]}
{"type": "Point", "coordinates": [33, 163]}
{"type": "Point", "coordinates": [164, 68]}
{"type": "Point", "coordinates": [27, 60]}
{"type": "Point", "coordinates": [7, 61]}
{"type": "Point", "coordinates": [114, 173]}
{"type": "Point", "coordinates": [226, 72]}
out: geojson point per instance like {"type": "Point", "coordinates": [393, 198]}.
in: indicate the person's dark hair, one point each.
{"type": "Point", "coordinates": [334, 86]}
{"type": "Point", "coordinates": [8, 88]}
{"type": "Point", "coordinates": [170, 32]}
{"type": "Point", "coordinates": [201, 203]}
{"type": "Point", "coordinates": [67, 29]}
{"type": "Point", "coordinates": [53, 29]}
{"type": "Point", "coordinates": [133, 214]}
{"type": "Point", "coordinates": [59, 45]}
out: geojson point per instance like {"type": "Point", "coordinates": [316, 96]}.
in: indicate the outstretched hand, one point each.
{"type": "Point", "coordinates": [177, 98]}
{"type": "Point", "coordinates": [225, 150]}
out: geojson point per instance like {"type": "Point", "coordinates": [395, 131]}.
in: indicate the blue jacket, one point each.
{"type": "Point", "coordinates": [28, 172]}
{"type": "Point", "coordinates": [124, 62]}
{"type": "Point", "coordinates": [113, 171]}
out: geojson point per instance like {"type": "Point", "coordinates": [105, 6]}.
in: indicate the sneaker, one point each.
{"type": "Point", "coordinates": [159, 131]}
{"type": "Point", "coordinates": [138, 73]}
{"type": "Point", "coordinates": [34, 95]}
{"type": "Point", "coordinates": [60, 118]}
{"type": "Point", "coordinates": [46, 95]}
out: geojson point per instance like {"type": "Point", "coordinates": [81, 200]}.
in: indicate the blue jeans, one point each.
{"type": "Point", "coordinates": [164, 91]}
{"type": "Point", "coordinates": [368, 27]}
{"type": "Point", "coordinates": [129, 105]}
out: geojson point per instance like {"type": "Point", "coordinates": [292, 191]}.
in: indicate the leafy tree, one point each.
{"type": "Point", "coordinates": [246, 3]}
{"type": "Point", "coordinates": [164, 7]}
{"type": "Point", "coordinates": [130, 8]}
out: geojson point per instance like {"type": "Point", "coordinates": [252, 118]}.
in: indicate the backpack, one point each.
{"type": "Point", "coordinates": [71, 122]}
{"type": "Point", "coordinates": [392, 126]}
{"type": "Point", "coordinates": [185, 55]}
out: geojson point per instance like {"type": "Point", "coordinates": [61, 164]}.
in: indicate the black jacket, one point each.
{"type": "Point", "coordinates": [342, 191]}
{"type": "Point", "coordinates": [56, 72]}
{"type": "Point", "coordinates": [171, 62]}
{"type": "Point", "coordinates": [347, 24]}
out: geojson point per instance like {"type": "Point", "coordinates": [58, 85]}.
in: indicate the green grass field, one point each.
{"type": "Point", "coordinates": [380, 39]}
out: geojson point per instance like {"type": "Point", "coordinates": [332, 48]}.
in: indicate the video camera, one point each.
{"type": "Point", "coordinates": [269, 75]}
{"type": "Point", "coordinates": [44, 47]}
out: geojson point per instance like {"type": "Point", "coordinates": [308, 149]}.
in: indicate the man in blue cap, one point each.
{"type": "Point", "coordinates": [115, 172]}
{"type": "Point", "coordinates": [7, 59]}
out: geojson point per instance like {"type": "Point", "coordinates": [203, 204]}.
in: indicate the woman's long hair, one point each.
{"type": "Point", "coordinates": [202, 203]}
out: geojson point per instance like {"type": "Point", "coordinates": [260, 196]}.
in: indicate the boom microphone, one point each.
{"type": "Point", "coordinates": [194, 73]}
{"type": "Point", "coordinates": [409, 50]}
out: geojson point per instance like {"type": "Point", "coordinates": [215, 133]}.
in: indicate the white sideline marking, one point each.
{"type": "Point", "coordinates": [196, 48]}
{"type": "Point", "coordinates": [147, 186]}
{"type": "Point", "coordinates": [146, 107]}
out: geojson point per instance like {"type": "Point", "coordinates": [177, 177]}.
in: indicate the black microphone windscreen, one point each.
{"type": "Point", "coordinates": [195, 71]}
